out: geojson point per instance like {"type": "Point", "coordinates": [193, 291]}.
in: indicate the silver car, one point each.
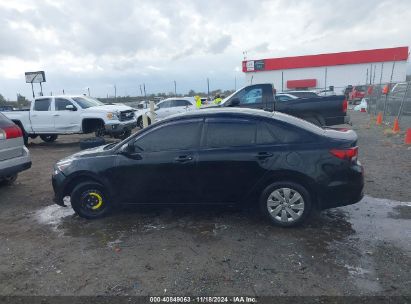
{"type": "Point", "coordinates": [14, 156]}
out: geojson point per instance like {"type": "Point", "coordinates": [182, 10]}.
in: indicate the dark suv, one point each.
{"type": "Point", "coordinates": [284, 164]}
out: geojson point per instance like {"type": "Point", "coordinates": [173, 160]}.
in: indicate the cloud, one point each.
{"type": "Point", "coordinates": [98, 44]}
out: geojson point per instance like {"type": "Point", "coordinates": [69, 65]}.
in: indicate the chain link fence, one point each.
{"type": "Point", "coordinates": [392, 101]}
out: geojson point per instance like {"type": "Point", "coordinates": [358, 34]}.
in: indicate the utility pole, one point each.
{"type": "Point", "coordinates": [175, 88]}
{"type": "Point", "coordinates": [141, 91]}
{"type": "Point", "coordinates": [144, 86]}
{"type": "Point", "coordinates": [325, 80]}
{"type": "Point", "coordinates": [63, 92]}
{"type": "Point", "coordinates": [115, 92]}
{"type": "Point", "coordinates": [282, 81]}
{"type": "Point", "coordinates": [88, 90]}
{"type": "Point", "coordinates": [235, 83]}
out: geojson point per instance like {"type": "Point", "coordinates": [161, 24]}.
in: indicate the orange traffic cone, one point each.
{"type": "Point", "coordinates": [379, 119]}
{"type": "Point", "coordinates": [396, 127]}
{"type": "Point", "coordinates": [407, 140]}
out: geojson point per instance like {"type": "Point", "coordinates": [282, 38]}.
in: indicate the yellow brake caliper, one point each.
{"type": "Point", "coordinates": [99, 198]}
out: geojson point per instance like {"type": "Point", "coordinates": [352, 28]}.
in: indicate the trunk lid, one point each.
{"type": "Point", "coordinates": [342, 134]}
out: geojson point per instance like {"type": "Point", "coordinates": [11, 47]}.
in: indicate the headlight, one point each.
{"type": "Point", "coordinates": [64, 164]}
{"type": "Point", "coordinates": [112, 115]}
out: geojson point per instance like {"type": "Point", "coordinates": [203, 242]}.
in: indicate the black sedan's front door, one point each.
{"type": "Point", "coordinates": [163, 168]}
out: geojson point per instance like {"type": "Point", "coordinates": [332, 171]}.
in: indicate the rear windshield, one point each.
{"type": "Point", "coordinates": [303, 124]}
{"type": "Point", "coordinates": [4, 121]}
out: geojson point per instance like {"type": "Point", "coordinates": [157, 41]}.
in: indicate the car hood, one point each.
{"type": "Point", "coordinates": [109, 108]}
{"type": "Point", "coordinates": [93, 152]}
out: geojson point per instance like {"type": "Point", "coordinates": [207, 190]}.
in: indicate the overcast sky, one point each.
{"type": "Point", "coordinates": [99, 43]}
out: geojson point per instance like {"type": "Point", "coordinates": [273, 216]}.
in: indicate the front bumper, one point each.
{"type": "Point", "coordinates": [119, 127]}
{"type": "Point", "coordinates": [58, 181]}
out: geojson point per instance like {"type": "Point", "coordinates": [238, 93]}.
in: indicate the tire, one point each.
{"type": "Point", "coordinates": [8, 180]}
{"type": "Point", "coordinates": [100, 132]}
{"type": "Point", "coordinates": [90, 201]}
{"type": "Point", "coordinates": [124, 135]}
{"type": "Point", "coordinates": [48, 137]}
{"type": "Point", "coordinates": [275, 204]}
{"type": "Point", "coordinates": [140, 122]}
{"type": "Point", "coordinates": [92, 142]}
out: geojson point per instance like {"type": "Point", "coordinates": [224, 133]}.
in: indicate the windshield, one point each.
{"type": "Point", "coordinates": [87, 102]}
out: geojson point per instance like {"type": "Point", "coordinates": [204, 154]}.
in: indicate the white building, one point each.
{"type": "Point", "coordinates": [325, 70]}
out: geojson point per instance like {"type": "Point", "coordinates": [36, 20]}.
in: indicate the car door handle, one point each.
{"type": "Point", "coordinates": [55, 115]}
{"type": "Point", "coordinates": [264, 155]}
{"type": "Point", "coordinates": [183, 158]}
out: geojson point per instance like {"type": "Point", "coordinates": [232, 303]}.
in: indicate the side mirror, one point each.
{"type": "Point", "coordinates": [235, 102]}
{"type": "Point", "coordinates": [129, 150]}
{"type": "Point", "coordinates": [70, 108]}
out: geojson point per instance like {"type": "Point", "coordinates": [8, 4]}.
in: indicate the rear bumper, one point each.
{"type": "Point", "coordinates": [343, 193]}
{"type": "Point", "coordinates": [339, 120]}
{"type": "Point", "coordinates": [15, 165]}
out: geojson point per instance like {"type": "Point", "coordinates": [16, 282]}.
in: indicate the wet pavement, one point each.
{"type": "Point", "coordinates": [363, 249]}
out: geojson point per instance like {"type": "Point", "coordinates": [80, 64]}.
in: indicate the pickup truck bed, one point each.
{"type": "Point", "coordinates": [321, 110]}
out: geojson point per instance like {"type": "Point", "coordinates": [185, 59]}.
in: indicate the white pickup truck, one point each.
{"type": "Point", "coordinates": [50, 116]}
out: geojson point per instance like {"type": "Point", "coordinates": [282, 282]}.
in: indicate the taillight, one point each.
{"type": "Point", "coordinates": [345, 106]}
{"type": "Point", "coordinates": [347, 154]}
{"type": "Point", "coordinates": [10, 132]}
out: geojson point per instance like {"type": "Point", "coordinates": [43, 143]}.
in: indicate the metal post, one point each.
{"type": "Point", "coordinates": [88, 89]}
{"type": "Point", "coordinates": [115, 92]}
{"type": "Point", "coordinates": [366, 77]}
{"type": "Point", "coordinates": [144, 87]}
{"type": "Point", "coordinates": [32, 89]}
{"type": "Point", "coordinates": [141, 91]}
{"type": "Point", "coordinates": [175, 88]}
{"type": "Point", "coordinates": [282, 81]}
{"type": "Point", "coordinates": [41, 89]}
{"type": "Point", "coordinates": [235, 83]}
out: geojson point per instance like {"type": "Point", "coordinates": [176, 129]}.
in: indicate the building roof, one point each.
{"type": "Point", "coordinates": [331, 59]}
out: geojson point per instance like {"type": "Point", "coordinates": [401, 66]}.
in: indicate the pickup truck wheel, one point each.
{"type": "Point", "coordinates": [124, 134]}
{"type": "Point", "coordinates": [48, 138]}
{"type": "Point", "coordinates": [8, 180]}
{"type": "Point", "coordinates": [285, 203]}
{"type": "Point", "coordinates": [90, 201]}
{"type": "Point", "coordinates": [92, 142]}
{"type": "Point", "coordinates": [100, 132]}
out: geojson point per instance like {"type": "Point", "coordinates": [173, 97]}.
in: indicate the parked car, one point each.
{"type": "Point", "coordinates": [5, 108]}
{"type": "Point", "coordinates": [168, 107]}
{"type": "Point", "coordinates": [284, 97]}
{"type": "Point", "coordinates": [322, 111]}
{"type": "Point", "coordinates": [14, 156]}
{"type": "Point", "coordinates": [357, 93]}
{"type": "Point", "coordinates": [50, 116]}
{"type": "Point", "coordinates": [282, 164]}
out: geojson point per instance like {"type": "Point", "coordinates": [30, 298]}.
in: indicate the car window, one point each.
{"type": "Point", "coordinates": [250, 95]}
{"type": "Point", "coordinates": [61, 103]}
{"type": "Point", "coordinates": [42, 104]}
{"type": "Point", "coordinates": [230, 133]}
{"type": "Point", "coordinates": [283, 98]}
{"type": "Point", "coordinates": [174, 136]}
{"type": "Point", "coordinates": [164, 104]}
{"type": "Point", "coordinates": [181, 103]}
{"type": "Point", "coordinates": [87, 102]}
{"type": "Point", "coordinates": [277, 132]}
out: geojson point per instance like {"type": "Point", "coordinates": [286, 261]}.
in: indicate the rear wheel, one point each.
{"type": "Point", "coordinates": [48, 138]}
{"type": "Point", "coordinates": [8, 180]}
{"type": "Point", "coordinates": [89, 200]}
{"type": "Point", "coordinates": [285, 204]}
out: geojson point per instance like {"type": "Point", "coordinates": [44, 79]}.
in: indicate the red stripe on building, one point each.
{"type": "Point", "coordinates": [302, 83]}
{"type": "Point", "coordinates": [332, 59]}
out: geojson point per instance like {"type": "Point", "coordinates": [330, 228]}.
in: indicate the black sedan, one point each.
{"type": "Point", "coordinates": [281, 164]}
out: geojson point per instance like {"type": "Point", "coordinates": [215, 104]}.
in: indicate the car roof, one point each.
{"type": "Point", "coordinates": [242, 112]}
{"type": "Point", "coordinates": [61, 96]}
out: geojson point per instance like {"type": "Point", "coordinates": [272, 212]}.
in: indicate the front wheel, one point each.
{"type": "Point", "coordinates": [48, 138]}
{"type": "Point", "coordinates": [89, 200]}
{"type": "Point", "coordinates": [285, 204]}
